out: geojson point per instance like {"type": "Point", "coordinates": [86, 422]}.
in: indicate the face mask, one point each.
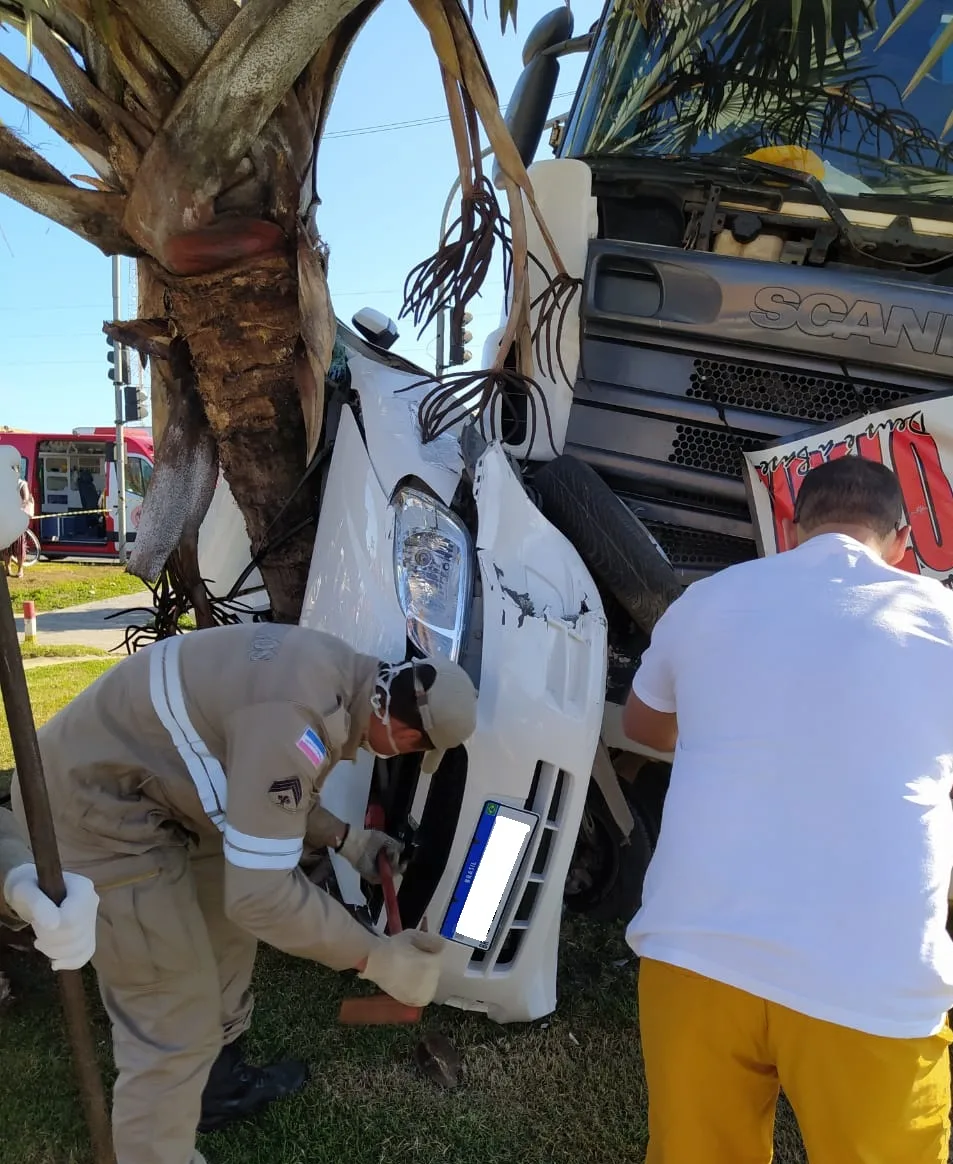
{"type": "Point", "coordinates": [380, 702]}
{"type": "Point", "coordinates": [380, 755]}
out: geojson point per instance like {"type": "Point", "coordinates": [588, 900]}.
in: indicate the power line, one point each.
{"type": "Point", "coordinates": [45, 335]}
{"type": "Point", "coordinates": [58, 307]}
{"type": "Point", "coordinates": [391, 126]}
{"type": "Point", "coordinates": [394, 291]}
{"type": "Point", "coordinates": [387, 127]}
{"type": "Point", "coordinates": [105, 307]}
{"type": "Point", "coordinates": [44, 363]}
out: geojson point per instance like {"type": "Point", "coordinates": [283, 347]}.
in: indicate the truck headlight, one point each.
{"type": "Point", "coordinates": [433, 569]}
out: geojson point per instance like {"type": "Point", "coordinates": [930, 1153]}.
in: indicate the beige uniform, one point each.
{"type": "Point", "coordinates": [13, 852]}
{"type": "Point", "coordinates": [184, 782]}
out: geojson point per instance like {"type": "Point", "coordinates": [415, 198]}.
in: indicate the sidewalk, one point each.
{"type": "Point", "coordinates": [86, 625]}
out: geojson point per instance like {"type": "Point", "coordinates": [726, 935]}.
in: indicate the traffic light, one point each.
{"type": "Point", "coordinates": [123, 375]}
{"type": "Point", "coordinates": [459, 337]}
{"type": "Point", "coordinates": [137, 402]}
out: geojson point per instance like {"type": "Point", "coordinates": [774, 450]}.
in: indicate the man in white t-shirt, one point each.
{"type": "Point", "coordinates": [793, 926]}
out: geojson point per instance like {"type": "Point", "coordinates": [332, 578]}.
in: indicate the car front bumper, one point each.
{"type": "Point", "coordinates": [542, 688]}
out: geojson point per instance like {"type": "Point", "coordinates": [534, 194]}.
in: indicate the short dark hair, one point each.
{"type": "Point", "coordinates": [403, 697]}
{"type": "Point", "coordinates": [851, 491]}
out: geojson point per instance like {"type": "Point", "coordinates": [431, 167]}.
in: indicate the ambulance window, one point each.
{"type": "Point", "coordinates": [134, 476]}
{"type": "Point", "coordinates": [138, 475]}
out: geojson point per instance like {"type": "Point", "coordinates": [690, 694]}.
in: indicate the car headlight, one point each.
{"type": "Point", "coordinates": [433, 569]}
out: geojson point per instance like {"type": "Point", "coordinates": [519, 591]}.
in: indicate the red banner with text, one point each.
{"type": "Point", "coordinates": [915, 440]}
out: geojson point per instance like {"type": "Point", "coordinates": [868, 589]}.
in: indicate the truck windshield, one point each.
{"type": "Point", "coordinates": [772, 79]}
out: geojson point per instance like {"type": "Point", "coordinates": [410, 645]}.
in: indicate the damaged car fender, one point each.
{"type": "Point", "coordinates": [542, 689]}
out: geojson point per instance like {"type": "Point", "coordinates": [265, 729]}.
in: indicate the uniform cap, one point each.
{"type": "Point", "coordinates": [447, 708]}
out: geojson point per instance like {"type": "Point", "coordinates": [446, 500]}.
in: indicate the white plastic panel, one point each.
{"type": "Point", "coordinates": [225, 551]}
{"type": "Point", "coordinates": [393, 433]}
{"type": "Point", "coordinates": [351, 594]}
{"type": "Point", "coordinates": [541, 697]}
{"type": "Point", "coordinates": [563, 190]}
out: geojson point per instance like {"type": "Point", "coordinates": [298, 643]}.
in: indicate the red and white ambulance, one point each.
{"type": "Point", "coordinates": [73, 479]}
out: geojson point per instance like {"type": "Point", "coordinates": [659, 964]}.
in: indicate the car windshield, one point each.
{"type": "Point", "coordinates": [807, 85]}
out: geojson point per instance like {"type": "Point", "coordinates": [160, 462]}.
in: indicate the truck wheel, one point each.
{"type": "Point", "coordinates": [609, 538]}
{"type": "Point", "coordinates": [606, 871]}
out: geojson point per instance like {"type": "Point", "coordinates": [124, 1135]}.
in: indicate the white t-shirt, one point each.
{"type": "Point", "coordinates": [807, 837]}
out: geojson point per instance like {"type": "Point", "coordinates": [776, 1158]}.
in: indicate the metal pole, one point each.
{"type": "Point", "coordinates": [442, 317]}
{"type": "Point", "coordinates": [36, 808]}
{"type": "Point", "coordinates": [120, 409]}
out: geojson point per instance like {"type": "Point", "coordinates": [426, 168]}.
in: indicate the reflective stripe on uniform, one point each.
{"type": "Point", "coordinates": [261, 852]}
{"type": "Point", "coordinates": [165, 690]}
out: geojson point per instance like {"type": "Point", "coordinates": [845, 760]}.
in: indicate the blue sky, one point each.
{"type": "Point", "coordinates": [382, 193]}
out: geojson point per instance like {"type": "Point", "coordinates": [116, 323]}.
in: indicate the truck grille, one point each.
{"type": "Point", "coordinates": [676, 379]}
{"type": "Point", "coordinates": [696, 549]}
{"type": "Point", "coordinates": [717, 451]}
{"type": "Point", "coordinates": [785, 393]}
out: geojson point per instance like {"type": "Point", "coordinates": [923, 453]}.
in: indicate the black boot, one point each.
{"type": "Point", "coordinates": [236, 1090]}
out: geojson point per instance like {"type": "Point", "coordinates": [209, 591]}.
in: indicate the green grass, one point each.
{"type": "Point", "coordinates": [50, 689]}
{"type": "Point", "coordinates": [566, 1090]}
{"type": "Point", "coordinates": [56, 585]}
{"type": "Point", "coordinates": [64, 651]}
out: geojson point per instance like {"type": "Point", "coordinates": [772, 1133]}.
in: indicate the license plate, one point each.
{"type": "Point", "coordinates": [499, 843]}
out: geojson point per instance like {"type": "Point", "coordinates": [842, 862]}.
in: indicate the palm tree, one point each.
{"type": "Point", "coordinates": [200, 121]}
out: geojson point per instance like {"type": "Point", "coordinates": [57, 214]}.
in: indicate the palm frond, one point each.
{"type": "Point", "coordinates": [938, 48]}
{"type": "Point", "coordinates": [458, 269]}
{"type": "Point", "coordinates": [174, 28]}
{"type": "Point", "coordinates": [222, 111]}
{"type": "Point", "coordinates": [59, 117]}
{"type": "Point", "coordinates": [481, 395]}
{"type": "Point", "coordinates": [550, 312]}
{"type": "Point", "coordinates": [29, 179]}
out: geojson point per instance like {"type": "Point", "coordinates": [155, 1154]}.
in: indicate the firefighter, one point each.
{"type": "Point", "coordinates": [66, 934]}
{"type": "Point", "coordinates": [185, 782]}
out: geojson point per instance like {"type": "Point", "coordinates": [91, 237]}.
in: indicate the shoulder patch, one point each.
{"type": "Point", "coordinates": [309, 742]}
{"type": "Point", "coordinates": [286, 794]}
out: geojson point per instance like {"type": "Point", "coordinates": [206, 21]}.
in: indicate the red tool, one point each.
{"type": "Point", "coordinates": [380, 1009]}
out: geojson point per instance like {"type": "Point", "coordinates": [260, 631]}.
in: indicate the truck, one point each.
{"type": "Point", "coordinates": [763, 279]}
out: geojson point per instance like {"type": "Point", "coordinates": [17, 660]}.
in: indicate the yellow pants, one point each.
{"type": "Point", "coordinates": [716, 1059]}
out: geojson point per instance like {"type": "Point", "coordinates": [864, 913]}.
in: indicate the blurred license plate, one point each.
{"type": "Point", "coordinates": [500, 841]}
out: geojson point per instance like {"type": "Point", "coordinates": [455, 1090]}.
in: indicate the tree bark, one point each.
{"type": "Point", "coordinates": [242, 327]}
{"type": "Point", "coordinates": [151, 306]}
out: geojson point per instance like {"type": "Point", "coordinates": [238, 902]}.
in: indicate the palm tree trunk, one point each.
{"type": "Point", "coordinates": [241, 327]}
{"type": "Point", "coordinates": [150, 306]}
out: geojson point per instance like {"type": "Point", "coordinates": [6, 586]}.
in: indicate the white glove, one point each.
{"type": "Point", "coordinates": [407, 966]}
{"type": "Point", "coordinates": [361, 847]}
{"type": "Point", "coordinates": [66, 934]}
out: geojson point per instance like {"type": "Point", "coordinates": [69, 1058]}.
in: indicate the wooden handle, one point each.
{"type": "Point", "coordinates": [39, 819]}
{"type": "Point", "coordinates": [390, 894]}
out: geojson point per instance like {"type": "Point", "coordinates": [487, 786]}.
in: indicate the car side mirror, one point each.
{"type": "Point", "coordinates": [378, 329]}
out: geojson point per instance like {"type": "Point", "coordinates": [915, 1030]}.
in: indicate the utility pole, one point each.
{"type": "Point", "coordinates": [120, 429]}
